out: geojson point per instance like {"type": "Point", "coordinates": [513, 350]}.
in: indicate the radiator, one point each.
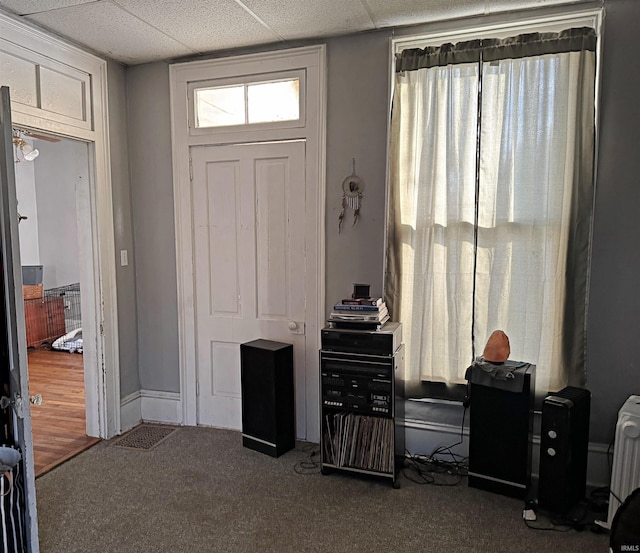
{"type": "Point", "coordinates": [625, 473]}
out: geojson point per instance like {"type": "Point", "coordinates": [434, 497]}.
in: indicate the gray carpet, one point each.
{"type": "Point", "coordinates": [201, 491]}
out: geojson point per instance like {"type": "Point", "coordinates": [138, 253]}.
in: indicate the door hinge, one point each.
{"type": "Point", "coordinates": [190, 169]}
{"type": "Point", "coordinates": [197, 388]}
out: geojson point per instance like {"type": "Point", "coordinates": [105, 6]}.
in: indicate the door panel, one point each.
{"type": "Point", "coordinates": [11, 276]}
{"type": "Point", "coordinates": [271, 238]}
{"type": "Point", "coordinates": [249, 258]}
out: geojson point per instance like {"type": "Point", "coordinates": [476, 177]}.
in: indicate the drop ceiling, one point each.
{"type": "Point", "coordinates": [140, 31]}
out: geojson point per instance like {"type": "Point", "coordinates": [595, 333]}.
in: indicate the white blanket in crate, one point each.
{"type": "Point", "coordinates": [71, 342]}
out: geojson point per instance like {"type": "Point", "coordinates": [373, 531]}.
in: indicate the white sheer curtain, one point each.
{"type": "Point", "coordinates": [483, 215]}
{"type": "Point", "coordinates": [434, 160]}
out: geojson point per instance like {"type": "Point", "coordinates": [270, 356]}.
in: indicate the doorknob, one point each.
{"type": "Point", "coordinates": [35, 399]}
{"type": "Point", "coordinates": [296, 327]}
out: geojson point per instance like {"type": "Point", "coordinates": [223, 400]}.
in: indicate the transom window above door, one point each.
{"type": "Point", "coordinates": [272, 101]}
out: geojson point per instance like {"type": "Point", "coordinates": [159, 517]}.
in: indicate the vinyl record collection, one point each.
{"type": "Point", "coordinates": [358, 441]}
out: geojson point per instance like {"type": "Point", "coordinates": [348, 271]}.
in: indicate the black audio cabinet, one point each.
{"type": "Point", "coordinates": [362, 423]}
{"type": "Point", "coordinates": [501, 435]}
{"type": "Point", "coordinates": [268, 415]}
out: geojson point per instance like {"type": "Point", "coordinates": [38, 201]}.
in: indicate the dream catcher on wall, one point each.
{"type": "Point", "coordinates": [352, 188]}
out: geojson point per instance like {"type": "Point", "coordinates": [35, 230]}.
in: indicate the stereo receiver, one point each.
{"type": "Point", "coordinates": [372, 342]}
{"type": "Point", "coordinates": [357, 383]}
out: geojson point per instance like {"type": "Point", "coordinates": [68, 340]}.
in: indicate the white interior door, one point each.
{"type": "Point", "coordinates": [249, 258]}
{"type": "Point", "coordinates": [13, 314]}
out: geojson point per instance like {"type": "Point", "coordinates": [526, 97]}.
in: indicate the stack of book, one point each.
{"type": "Point", "coordinates": [359, 313]}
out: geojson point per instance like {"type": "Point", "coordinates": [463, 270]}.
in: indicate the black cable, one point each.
{"type": "Point", "coordinates": [547, 528]}
{"type": "Point", "coordinates": [615, 496]}
{"type": "Point", "coordinates": [609, 465]}
{"type": "Point", "coordinates": [423, 469]}
{"type": "Point", "coordinates": [430, 469]}
{"type": "Point", "coordinates": [576, 519]}
{"type": "Point", "coordinates": [308, 466]}
{"type": "Point", "coordinates": [607, 489]}
{"type": "Point", "coordinates": [464, 412]}
{"type": "Point", "coordinates": [476, 213]}
{"type": "Point", "coordinates": [447, 449]}
{"type": "Point", "coordinates": [410, 463]}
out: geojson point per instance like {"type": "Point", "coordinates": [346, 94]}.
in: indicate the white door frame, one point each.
{"type": "Point", "coordinates": [313, 60]}
{"type": "Point", "coordinates": [100, 316]}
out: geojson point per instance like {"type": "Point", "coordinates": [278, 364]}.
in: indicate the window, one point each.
{"type": "Point", "coordinates": [247, 103]}
{"type": "Point", "coordinates": [490, 203]}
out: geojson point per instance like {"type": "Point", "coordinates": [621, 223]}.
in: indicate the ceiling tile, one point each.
{"type": "Point", "coordinates": [24, 7]}
{"type": "Point", "coordinates": [139, 31]}
{"type": "Point", "coordinates": [409, 12]}
{"type": "Point", "coordinates": [496, 6]}
{"type": "Point", "coordinates": [387, 13]}
{"type": "Point", "coordinates": [203, 25]}
{"type": "Point", "coordinates": [112, 32]}
{"type": "Point", "coordinates": [311, 18]}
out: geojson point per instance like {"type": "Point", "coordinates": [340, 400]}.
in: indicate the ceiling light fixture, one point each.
{"type": "Point", "coordinates": [28, 151]}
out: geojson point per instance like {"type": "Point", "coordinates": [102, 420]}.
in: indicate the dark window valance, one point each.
{"type": "Point", "coordinates": [492, 49]}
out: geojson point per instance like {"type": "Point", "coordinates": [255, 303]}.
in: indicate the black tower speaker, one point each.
{"type": "Point", "coordinates": [268, 418]}
{"type": "Point", "coordinates": [564, 442]}
{"type": "Point", "coordinates": [500, 435]}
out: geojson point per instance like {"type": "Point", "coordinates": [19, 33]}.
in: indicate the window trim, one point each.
{"type": "Point", "coordinates": [247, 80]}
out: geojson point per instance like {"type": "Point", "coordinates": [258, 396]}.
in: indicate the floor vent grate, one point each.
{"type": "Point", "coordinates": [145, 436]}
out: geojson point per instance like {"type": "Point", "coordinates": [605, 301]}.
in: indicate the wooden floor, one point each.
{"type": "Point", "coordinates": [59, 423]}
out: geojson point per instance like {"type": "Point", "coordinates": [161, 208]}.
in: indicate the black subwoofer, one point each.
{"type": "Point", "coordinates": [564, 441]}
{"type": "Point", "coordinates": [500, 432]}
{"type": "Point", "coordinates": [268, 415]}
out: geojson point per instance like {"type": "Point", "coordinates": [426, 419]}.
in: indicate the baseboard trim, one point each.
{"type": "Point", "coordinates": [423, 437]}
{"type": "Point", "coordinates": [435, 427]}
{"type": "Point", "coordinates": [130, 411]}
{"type": "Point", "coordinates": [150, 406]}
{"type": "Point", "coordinates": [161, 406]}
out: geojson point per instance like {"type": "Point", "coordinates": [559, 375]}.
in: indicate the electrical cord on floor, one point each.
{"type": "Point", "coordinates": [427, 469]}
{"type": "Point", "coordinates": [599, 499]}
{"type": "Point", "coordinates": [310, 465]}
{"type": "Point", "coordinates": [577, 519]}
{"type": "Point", "coordinates": [553, 528]}
{"type": "Point", "coordinates": [432, 469]}
{"type": "Point", "coordinates": [580, 517]}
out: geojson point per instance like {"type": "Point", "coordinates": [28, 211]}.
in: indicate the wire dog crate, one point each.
{"type": "Point", "coordinates": [56, 313]}
{"type": "Point", "coordinates": [71, 300]}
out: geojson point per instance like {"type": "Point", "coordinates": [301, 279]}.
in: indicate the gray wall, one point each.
{"type": "Point", "coordinates": [28, 207]}
{"type": "Point", "coordinates": [123, 230]}
{"type": "Point", "coordinates": [357, 127]}
{"type": "Point", "coordinates": [59, 169]}
{"type": "Point", "coordinates": [613, 363]}
{"type": "Point", "coordinates": [46, 191]}
{"type": "Point", "coordinates": [149, 128]}
{"type": "Point", "coordinates": [357, 103]}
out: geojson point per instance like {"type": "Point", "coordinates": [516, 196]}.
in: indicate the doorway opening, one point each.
{"type": "Point", "coordinates": [50, 188]}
